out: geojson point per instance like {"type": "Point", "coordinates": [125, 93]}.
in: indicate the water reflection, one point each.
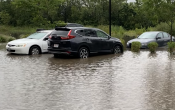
{"type": "Point", "coordinates": [130, 81]}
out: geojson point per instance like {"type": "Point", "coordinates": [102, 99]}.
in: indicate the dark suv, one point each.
{"type": "Point", "coordinates": [82, 41]}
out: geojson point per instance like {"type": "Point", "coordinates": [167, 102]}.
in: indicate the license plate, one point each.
{"type": "Point", "coordinates": [56, 45]}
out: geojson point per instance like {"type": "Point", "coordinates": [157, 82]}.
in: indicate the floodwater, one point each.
{"type": "Point", "coordinates": [130, 81]}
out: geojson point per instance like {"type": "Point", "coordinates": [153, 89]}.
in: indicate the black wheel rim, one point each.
{"type": "Point", "coordinates": [84, 53]}
{"type": "Point", "coordinates": [117, 50]}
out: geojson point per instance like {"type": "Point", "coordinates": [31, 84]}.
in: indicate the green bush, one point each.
{"type": "Point", "coordinates": [135, 46]}
{"type": "Point", "coordinates": [123, 42]}
{"type": "Point", "coordinates": [152, 46]}
{"type": "Point", "coordinates": [11, 38]}
{"type": "Point", "coordinates": [171, 46]}
{"type": "Point", "coordinates": [3, 39]}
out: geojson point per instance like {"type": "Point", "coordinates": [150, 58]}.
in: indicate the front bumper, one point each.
{"type": "Point", "coordinates": [143, 46]}
{"type": "Point", "coordinates": [17, 50]}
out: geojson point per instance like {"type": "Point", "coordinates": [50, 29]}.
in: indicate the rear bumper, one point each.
{"type": "Point", "coordinates": [66, 51]}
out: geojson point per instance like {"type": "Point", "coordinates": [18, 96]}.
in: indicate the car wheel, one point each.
{"type": "Point", "coordinates": [35, 50]}
{"type": "Point", "coordinates": [117, 49]}
{"type": "Point", "coordinates": [83, 52]}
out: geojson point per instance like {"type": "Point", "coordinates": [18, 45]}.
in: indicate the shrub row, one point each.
{"type": "Point", "coordinates": [135, 46]}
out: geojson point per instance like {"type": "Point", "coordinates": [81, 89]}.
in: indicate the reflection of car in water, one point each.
{"type": "Point", "coordinates": [36, 43]}
{"type": "Point", "coordinates": [162, 38]}
{"type": "Point", "coordinates": [82, 41]}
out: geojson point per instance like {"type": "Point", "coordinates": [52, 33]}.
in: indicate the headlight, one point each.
{"type": "Point", "coordinates": [20, 45]}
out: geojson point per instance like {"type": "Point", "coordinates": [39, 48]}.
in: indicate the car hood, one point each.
{"type": "Point", "coordinates": [141, 40]}
{"type": "Point", "coordinates": [18, 41]}
{"type": "Point", "coordinates": [113, 38]}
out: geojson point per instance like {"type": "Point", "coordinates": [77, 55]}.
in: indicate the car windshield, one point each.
{"type": "Point", "coordinates": [37, 35]}
{"type": "Point", "coordinates": [148, 35]}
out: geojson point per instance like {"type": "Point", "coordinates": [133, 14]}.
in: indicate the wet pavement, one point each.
{"type": "Point", "coordinates": [129, 81]}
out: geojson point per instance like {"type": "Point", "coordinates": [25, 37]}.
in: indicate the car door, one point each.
{"type": "Point", "coordinates": [45, 43]}
{"type": "Point", "coordinates": [104, 40]}
{"type": "Point", "coordinates": [90, 37]}
{"type": "Point", "coordinates": [166, 38]}
{"type": "Point", "coordinates": [159, 39]}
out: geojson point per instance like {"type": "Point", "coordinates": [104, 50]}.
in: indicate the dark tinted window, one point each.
{"type": "Point", "coordinates": [90, 33]}
{"type": "Point", "coordinates": [61, 32]}
{"type": "Point", "coordinates": [166, 35]}
{"type": "Point", "coordinates": [81, 32]}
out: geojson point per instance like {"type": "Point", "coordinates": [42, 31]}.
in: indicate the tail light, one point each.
{"type": "Point", "coordinates": [69, 36]}
{"type": "Point", "coordinates": [50, 37]}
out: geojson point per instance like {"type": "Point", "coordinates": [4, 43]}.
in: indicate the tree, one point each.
{"type": "Point", "coordinates": [164, 11]}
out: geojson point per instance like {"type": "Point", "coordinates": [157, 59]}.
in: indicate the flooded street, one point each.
{"type": "Point", "coordinates": [130, 81]}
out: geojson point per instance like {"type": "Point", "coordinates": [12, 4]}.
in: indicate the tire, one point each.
{"type": "Point", "coordinates": [117, 49]}
{"type": "Point", "coordinates": [34, 50]}
{"type": "Point", "coordinates": [83, 52]}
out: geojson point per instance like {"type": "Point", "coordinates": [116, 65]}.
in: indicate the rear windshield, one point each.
{"type": "Point", "coordinates": [61, 32]}
{"type": "Point", "coordinates": [37, 35]}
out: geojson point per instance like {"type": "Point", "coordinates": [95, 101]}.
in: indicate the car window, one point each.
{"type": "Point", "coordinates": [148, 35]}
{"type": "Point", "coordinates": [90, 33]}
{"type": "Point", "coordinates": [80, 32]}
{"type": "Point", "coordinates": [160, 35]}
{"type": "Point", "coordinates": [101, 34]}
{"type": "Point", "coordinates": [166, 35]}
{"type": "Point", "coordinates": [61, 32]}
{"type": "Point", "coordinates": [37, 35]}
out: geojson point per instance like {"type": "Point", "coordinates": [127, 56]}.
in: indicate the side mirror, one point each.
{"type": "Point", "coordinates": [46, 38]}
{"type": "Point", "coordinates": [158, 38]}
{"type": "Point", "coordinates": [109, 37]}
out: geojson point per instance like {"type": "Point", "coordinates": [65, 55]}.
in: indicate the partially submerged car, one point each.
{"type": "Point", "coordinates": [162, 38]}
{"type": "Point", "coordinates": [35, 43]}
{"type": "Point", "coordinates": [82, 41]}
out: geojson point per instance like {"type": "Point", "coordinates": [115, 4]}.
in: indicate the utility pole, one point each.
{"type": "Point", "coordinates": [110, 17]}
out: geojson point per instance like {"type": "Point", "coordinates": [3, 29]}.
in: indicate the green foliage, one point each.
{"type": "Point", "coordinates": [16, 32]}
{"type": "Point", "coordinates": [152, 47]}
{"type": "Point", "coordinates": [11, 38]}
{"type": "Point", "coordinates": [131, 33]}
{"type": "Point", "coordinates": [24, 35]}
{"type": "Point", "coordinates": [171, 47]}
{"type": "Point", "coordinates": [135, 46]}
{"type": "Point", "coordinates": [3, 39]}
{"type": "Point", "coordinates": [5, 18]}
{"type": "Point", "coordinates": [123, 42]}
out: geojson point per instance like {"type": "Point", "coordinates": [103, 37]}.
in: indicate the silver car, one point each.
{"type": "Point", "coordinates": [162, 38]}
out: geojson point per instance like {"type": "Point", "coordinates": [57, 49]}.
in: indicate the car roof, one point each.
{"type": "Point", "coordinates": [76, 28]}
